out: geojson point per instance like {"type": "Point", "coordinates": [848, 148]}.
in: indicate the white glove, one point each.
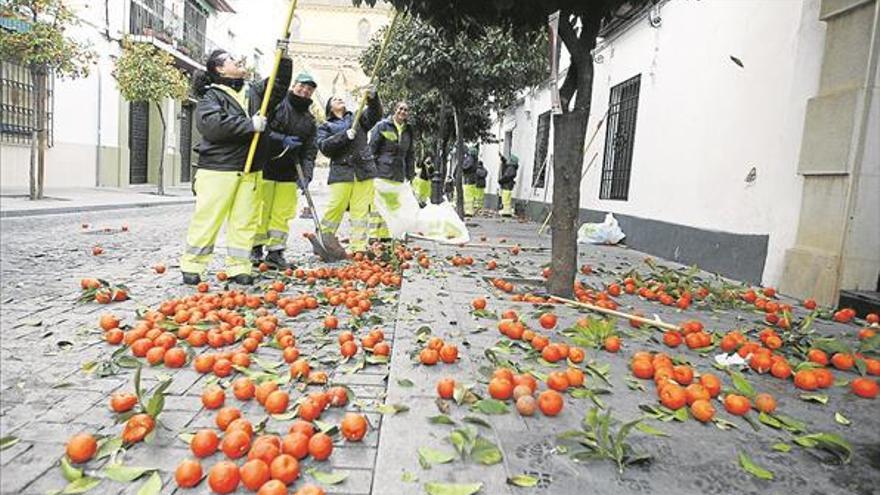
{"type": "Point", "coordinates": [259, 123]}
{"type": "Point", "coordinates": [351, 133]}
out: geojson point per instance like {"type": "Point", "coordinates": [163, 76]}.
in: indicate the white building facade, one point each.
{"type": "Point", "coordinates": [696, 133]}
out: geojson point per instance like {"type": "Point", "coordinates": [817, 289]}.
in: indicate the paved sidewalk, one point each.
{"type": "Point", "coordinates": [58, 201]}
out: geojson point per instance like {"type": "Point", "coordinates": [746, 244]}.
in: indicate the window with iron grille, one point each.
{"type": "Point", "coordinates": [542, 140]}
{"type": "Point", "coordinates": [620, 131]}
{"type": "Point", "coordinates": [17, 93]}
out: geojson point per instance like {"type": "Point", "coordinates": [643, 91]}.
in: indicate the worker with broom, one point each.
{"type": "Point", "coordinates": [507, 179]}
{"type": "Point", "coordinates": [469, 179]}
{"type": "Point", "coordinates": [291, 140]}
{"type": "Point", "coordinates": [392, 143]}
{"type": "Point", "coordinates": [352, 167]}
{"type": "Point", "coordinates": [480, 186]}
{"type": "Point", "coordinates": [227, 116]}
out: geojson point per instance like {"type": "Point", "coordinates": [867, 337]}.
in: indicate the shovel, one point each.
{"type": "Point", "coordinates": [326, 246]}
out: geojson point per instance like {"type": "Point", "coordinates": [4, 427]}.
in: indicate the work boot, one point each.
{"type": "Point", "coordinates": [257, 255]}
{"type": "Point", "coordinates": [276, 259]}
{"type": "Point", "coordinates": [191, 278]}
{"type": "Point", "coordinates": [243, 279]}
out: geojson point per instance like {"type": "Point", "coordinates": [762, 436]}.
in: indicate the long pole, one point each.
{"type": "Point", "coordinates": [264, 106]}
{"type": "Point", "coordinates": [376, 66]}
{"type": "Point", "coordinates": [619, 314]}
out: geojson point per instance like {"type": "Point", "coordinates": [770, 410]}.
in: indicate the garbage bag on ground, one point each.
{"type": "Point", "coordinates": [397, 205]}
{"type": "Point", "coordinates": [607, 232]}
{"type": "Point", "coordinates": [442, 224]}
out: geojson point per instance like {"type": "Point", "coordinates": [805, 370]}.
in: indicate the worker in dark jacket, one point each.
{"type": "Point", "coordinates": [507, 180]}
{"type": "Point", "coordinates": [421, 183]}
{"type": "Point", "coordinates": [469, 179]}
{"type": "Point", "coordinates": [352, 167]}
{"type": "Point", "coordinates": [392, 144]}
{"type": "Point", "coordinates": [480, 185]}
{"type": "Point", "coordinates": [227, 116]}
{"type": "Point", "coordinates": [292, 140]}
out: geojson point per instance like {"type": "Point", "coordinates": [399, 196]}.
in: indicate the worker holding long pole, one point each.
{"type": "Point", "coordinates": [230, 115]}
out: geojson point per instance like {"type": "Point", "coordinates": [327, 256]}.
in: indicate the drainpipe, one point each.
{"type": "Point", "coordinates": [852, 186]}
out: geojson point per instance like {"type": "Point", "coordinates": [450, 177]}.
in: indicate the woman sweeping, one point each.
{"type": "Point", "coordinates": [352, 167]}
{"type": "Point", "coordinates": [392, 143]}
{"type": "Point", "coordinates": [227, 115]}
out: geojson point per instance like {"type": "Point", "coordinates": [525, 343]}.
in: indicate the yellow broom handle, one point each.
{"type": "Point", "coordinates": [376, 65]}
{"type": "Point", "coordinates": [267, 94]}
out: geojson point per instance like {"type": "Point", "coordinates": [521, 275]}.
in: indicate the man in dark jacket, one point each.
{"type": "Point", "coordinates": [292, 140]}
{"type": "Point", "coordinates": [507, 180]}
{"type": "Point", "coordinates": [227, 117]}
{"type": "Point", "coordinates": [480, 185]}
{"type": "Point", "coordinates": [421, 183]}
{"type": "Point", "coordinates": [469, 179]}
{"type": "Point", "coordinates": [392, 144]}
{"type": "Point", "coordinates": [352, 167]}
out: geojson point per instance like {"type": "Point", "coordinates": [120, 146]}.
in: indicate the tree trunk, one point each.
{"type": "Point", "coordinates": [459, 162]}
{"type": "Point", "coordinates": [38, 175]}
{"type": "Point", "coordinates": [32, 175]}
{"type": "Point", "coordinates": [570, 130]}
{"type": "Point", "coordinates": [160, 190]}
{"type": "Point", "coordinates": [439, 176]}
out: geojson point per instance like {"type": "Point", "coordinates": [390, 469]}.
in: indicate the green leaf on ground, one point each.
{"type": "Point", "coordinates": [486, 452]}
{"type": "Point", "coordinates": [153, 485]}
{"type": "Point", "coordinates": [650, 430]}
{"type": "Point", "coordinates": [81, 485]}
{"type": "Point", "coordinates": [523, 480]}
{"type": "Point", "coordinates": [69, 472]}
{"type": "Point", "coordinates": [333, 478]}
{"type": "Point", "coordinates": [476, 421]}
{"type": "Point", "coordinates": [441, 419]}
{"type": "Point", "coordinates": [782, 447]}
{"type": "Point", "coordinates": [108, 446]}
{"type": "Point", "coordinates": [408, 477]}
{"type": "Point", "coordinates": [8, 441]}
{"type": "Point", "coordinates": [820, 398]}
{"type": "Point", "coordinates": [835, 444]}
{"type": "Point", "coordinates": [405, 382]}
{"type": "Point", "coordinates": [840, 418]}
{"type": "Point", "coordinates": [755, 470]}
{"type": "Point", "coordinates": [741, 384]}
{"type": "Point", "coordinates": [490, 406]}
{"type": "Point", "coordinates": [429, 457]}
{"type": "Point", "coordinates": [435, 488]}
{"type": "Point", "coordinates": [391, 408]}
{"type": "Point", "coordinates": [118, 472]}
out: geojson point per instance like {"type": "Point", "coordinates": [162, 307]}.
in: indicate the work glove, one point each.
{"type": "Point", "coordinates": [351, 133]}
{"type": "Point", "coordinates": [259, 123]}
{"type": "Point", "coordinates": [291, 142]}
{"type": "Point", "coordinates": [370, 91]}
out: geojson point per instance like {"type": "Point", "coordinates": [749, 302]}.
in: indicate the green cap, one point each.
{"type": "Point", "coordinates": [306, 78]}
{"type": "Point", "coordinates": [514, 160]}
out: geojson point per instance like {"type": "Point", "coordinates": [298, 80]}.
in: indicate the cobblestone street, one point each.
{"type": "Point", "coordinates": [48, 394]}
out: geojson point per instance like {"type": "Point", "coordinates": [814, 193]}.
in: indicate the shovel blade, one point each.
{"type": "Point", "coordinates": [321, 249]}
{"type": "Point", "coordinates": [333, 247]}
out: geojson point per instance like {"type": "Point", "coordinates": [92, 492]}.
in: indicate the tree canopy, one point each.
{"type": "Point", "coordinates": [145, 73]}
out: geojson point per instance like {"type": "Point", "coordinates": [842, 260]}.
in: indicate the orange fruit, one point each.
{"type": "Point", "coordinates": [711, 383]}
{"type": "Point", "coordinates": [254, 473]}
{"type": "Point", "coordinates": [277, 402]}
{"type": "Point", "coordinates": [550, 402]}
{"type": "Point", "coordinates": [137, 428]}
{"type": "Point", "coordinates": [643, 369]}
{"type": "Point", "coordinates": [683, 374]}
{"type": "Point", "coordinates": [446, 388]}
{"type": "Point", "coordinates": [500, 389]}
{"type": "Point", "coordinates": [612, 343]}
{"type": "Point", "coordinates": [673, 396]}
{"type": "Point", "coordinates": [864, 387]}
{"type": "Point", "coordinates": [765, 403]}
{"type": "Point", "coordinates": [273, 487]}
{"type": "Point", "coordinates": [557, 380]}
{"type": "Point", "coordinates": [309, 410]}
{"type": "Point", "coordinates": [702, 410]}
{"type": "Point", "coordinates": [224, 477]}
{"type": "Point", "coordinates": [695, 392]}
{"type": "Point", "coordinates": [301, 426]}
{"type": "Point", "coordinates": [241, 424]}
{"type": "Point", "coordinates": [353, 427]}
{"type": "Point", "coordinates": [527, 380]}
{"type": "Point", "coordinates": [780, 369]}
{"type": "Point", "coordinates": [526, 405]}
{"type": "Point", "coordinates": [320, 446]}
{"type": "Point", "coordinates": [547, 320]}
{"type": "Point", "coordinates": [213, 397]}
{"type": "Point", "coordinates": [448, 353]}
{"type": "Point", "coordinates": [235, 444]}
{"type": "Point", "coordinates": [284, 468]}
{"type": "Point", "coordinates": [818, 356]}
{"type": "Point", "coordinates": [296, 444]}
{"type": "Point", "coordinates": [338, 396]}
{"type": "Point", "coordinates": [575, 377]}
{"type": "Point", "coordinates": [204, 443]}
{"type": "Point", "coordinates": [265, 448]}
{"type": "Point", "coordinates": [108, 322]}
{"type": "Point", "coordinates": [264, 389]}
{"type": "Point", "coordinates": [429, 357]}
{"type": "Point", "coordinates": [81, 448]}
{"type": "Point", "coordinates": [310, 490]}
{"type": "Point", "coordinates": [122, 402]}
{"type": "Point", "coordinates": [842, 361]}
{"type": "Point", "coordinates": [576, 355]}
{"type": "Point", "coordinates": [806, 380]}
{"type": "Point", "coordinates": [824, 377]}
{"type": "Point", "coordinates": [188, 473]}
{"type": "Point", "coordinates": [479, 303]}
{"type": "Point", "coordinates": [737, 405]}
{"type": "Point", "coordinates": [225, 416]}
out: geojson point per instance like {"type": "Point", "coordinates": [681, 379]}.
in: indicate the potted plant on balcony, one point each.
{"type": "Point", "coordinates": [148, 31]}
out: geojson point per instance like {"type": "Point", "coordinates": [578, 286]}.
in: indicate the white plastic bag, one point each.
{"type": "Point", "coordinates": [607, 232]}
{"type": "Point", "coordinates": [397, 205]}
{"type": "Point", "coordinates": [442, 224]}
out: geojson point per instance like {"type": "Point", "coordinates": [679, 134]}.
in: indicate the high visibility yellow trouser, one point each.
{"type": "Point", "coordinates": [469, 191]}
{"type": "Point", "coordinates": [356, 196]}
{"type": "Point", "coordinates": [279, 207]}
{"type": "Point", "coordinates": [230, 197]}
{"type": "Point", "coordinates": [506, 202]}
{"type": "Point", "coordinates": [378, 227]}
{"type": "Point", "coordinates": [479, 197]}
{"type": "Point", "coordinates": [422, 189]}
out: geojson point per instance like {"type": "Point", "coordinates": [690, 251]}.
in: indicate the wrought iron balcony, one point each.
{"type": "Point", "coordinates": [185, 35]}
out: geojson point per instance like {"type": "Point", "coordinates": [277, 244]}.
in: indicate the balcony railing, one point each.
{"type": "Point", "coordinates": [186, 35]}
